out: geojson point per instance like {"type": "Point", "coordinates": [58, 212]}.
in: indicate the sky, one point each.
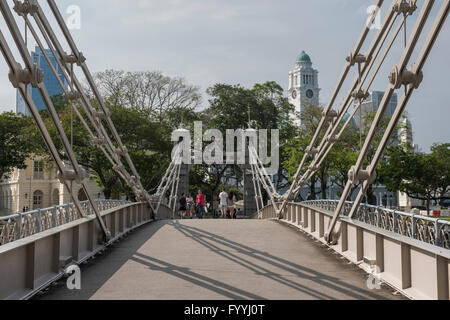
{"type": "Point", "coordinates": [245, 42]}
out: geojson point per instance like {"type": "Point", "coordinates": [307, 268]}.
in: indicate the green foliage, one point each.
{"type": "Point", "coordinates": [231, 108]}
{"type": "Point", "coordinates": [421, 176]}
{"type": "Point", "coordinates": [18, 141]}
{"type": "Point", "coordinates": [334, 169]}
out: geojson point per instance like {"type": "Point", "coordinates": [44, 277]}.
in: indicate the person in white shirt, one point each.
{"type": "Point", "coordinates": [223, 196]}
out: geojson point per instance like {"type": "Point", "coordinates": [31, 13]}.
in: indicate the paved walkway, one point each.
{"type": "Point", "coordinates": [219, 259]}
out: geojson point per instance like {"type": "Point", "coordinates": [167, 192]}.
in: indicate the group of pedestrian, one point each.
{"type": "Point", "coordinates": [227, 204]}
{"type": "Point", "coordinates": [188, 206]}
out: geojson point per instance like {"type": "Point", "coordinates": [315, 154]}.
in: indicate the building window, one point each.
{"type": "Point", "coordinates": [38, 198]}
{"type": "Point", "coordinates": [38, 170]}
{"type": "Point", "coordinates": [55, 197]}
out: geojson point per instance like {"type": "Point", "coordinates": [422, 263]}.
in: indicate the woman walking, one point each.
{"type": "Point", "coordinates": [232, 204]}
{"type": "Point", "coordinates": [190, 205]}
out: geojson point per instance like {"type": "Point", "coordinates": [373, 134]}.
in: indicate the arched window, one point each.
{"type": "Point", "coordinates": [38, 170]}
{"type": "Point", "coordinates": [38, 199]}
{"type": "Point", "coordinates": [82, 195]}
{"type": "Point", "coordinates": [55, 197]}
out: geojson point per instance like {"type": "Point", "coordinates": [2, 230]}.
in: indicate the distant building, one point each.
{"type": "Point", "coordinates": [304, 91]}
{"type": "Point", "coordinates": [406, 137]}
{"type": "Point", "coordinates": [372, 104]}
{"type": "Point", "coordinates": [38, 187]}
{"type": "Point", "coordinates": [50, 81]}
{"type": "Point", "coordinates": [304, 88]}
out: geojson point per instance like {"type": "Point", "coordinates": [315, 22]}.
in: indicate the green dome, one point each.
{"type": "Point", "coordinates": [303, 57]}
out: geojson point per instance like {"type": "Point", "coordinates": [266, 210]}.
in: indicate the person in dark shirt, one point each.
{"type": "Point", "coordinates": [183, 205]}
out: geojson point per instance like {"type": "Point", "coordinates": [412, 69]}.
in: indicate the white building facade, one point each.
{"type": "Point", "coordinates": [38, 187]}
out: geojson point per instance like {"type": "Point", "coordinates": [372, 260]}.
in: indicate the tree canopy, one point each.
{"type": "Point", "coordinates": [422, 176]}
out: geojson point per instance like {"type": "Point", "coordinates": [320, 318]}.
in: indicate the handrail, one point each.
{"type": "Point", "coordinates": [18, 226]}
{"type": "Point", "coordinates": [423, 228]}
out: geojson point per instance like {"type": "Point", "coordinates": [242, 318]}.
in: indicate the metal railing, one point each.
{"type": "Point", "coordinates": [426, 229]}
{"type": "Point", "coordinates": [22, 225]}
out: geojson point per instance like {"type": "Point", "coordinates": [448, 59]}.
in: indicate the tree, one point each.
{"type": "Point", "coordinates": [19, 140]}
{"type": "Point", "coordinates": [231, 107]}
{"type": "Point", "coordinates": [150, 92]}
{"type": "Point", "coordinates": [421, 176]}
{"type": "Point", "coordinates": [310, 119]}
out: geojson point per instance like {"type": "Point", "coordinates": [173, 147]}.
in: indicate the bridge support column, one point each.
{"type": "Point", "coordinates": [183, 186]}
{"type": "Point", "coordinates": [250, 205]}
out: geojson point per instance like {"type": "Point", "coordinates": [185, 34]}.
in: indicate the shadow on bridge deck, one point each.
{"type": "Point", "coordinates": [219, 259]}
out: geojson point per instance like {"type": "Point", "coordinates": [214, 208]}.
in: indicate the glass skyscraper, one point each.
{"type": "Point", "coordinates": [50, 81]}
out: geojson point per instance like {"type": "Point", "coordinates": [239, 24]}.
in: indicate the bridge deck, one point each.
{"type": "Point", "coordinates": [217, 259]}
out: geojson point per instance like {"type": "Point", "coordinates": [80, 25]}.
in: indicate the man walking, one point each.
{"type": "Point", "coordinates": [201, 202]}
{"type": "Point", "coordinates": [223, 203]}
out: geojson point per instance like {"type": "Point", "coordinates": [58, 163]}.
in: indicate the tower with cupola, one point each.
{"type": "Point", "coordinates": [304, 88]}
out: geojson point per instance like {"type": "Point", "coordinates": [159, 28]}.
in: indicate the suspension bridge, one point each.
{"type": "Point", "coordinates": [285, 250]}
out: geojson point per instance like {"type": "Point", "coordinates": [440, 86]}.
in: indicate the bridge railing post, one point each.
{"type": "Point", "coordinates": [437, 233]}
{"type": "Point", "coordinates": [39, 220]}
{"type": "Point", "coordinates": [19, 226]}
{"type": "Point", "coordinates": [54, 217]}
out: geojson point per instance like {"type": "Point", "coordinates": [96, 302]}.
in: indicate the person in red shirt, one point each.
{"type": "Point", "coordinates": [201, 202]}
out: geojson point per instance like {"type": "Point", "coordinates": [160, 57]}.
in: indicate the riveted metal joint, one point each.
{"type": "Point", "coordinates": [406, 77]}
{"type": "Point", "coordinates": [312, 151]}
{"type": "Point", "coordinates": [119, 168]}
{"type": "Point", "coordinates": [360, 95]}
{"type": "Point", "coordinates": [71, 96]}
{"type": "Point", "coordinates": [101, 115]}
{"type": "Point", "coordinates": [352, 59]}
{"type": "Point", "coordinates": [71, 175]}
{"type": "Point", "coordinates": [121, 151]}
{"type": "Point", "coordinates": [97, 142]}
{"type": "Point", "coordinates": [362, 175]}
{"type": "Point", "coordinates": [26, 7]}
{"type": "Point", "coordinates": [330, 115]}
{"type": "Point", "coordinates": [18, 76]}
{"type": "Point", "coordinates": [332, 139]}
{"type": "Point", "coordinates": [405, 7]}
{"type": "Point", "coordinates": [79, 58]}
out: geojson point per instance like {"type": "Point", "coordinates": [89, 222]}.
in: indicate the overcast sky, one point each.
{"type": "Point", "coordinates": [244, 42]}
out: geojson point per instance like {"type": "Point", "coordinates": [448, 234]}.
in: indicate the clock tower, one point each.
{"type": "Point", "coordinates": [303, 86]}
